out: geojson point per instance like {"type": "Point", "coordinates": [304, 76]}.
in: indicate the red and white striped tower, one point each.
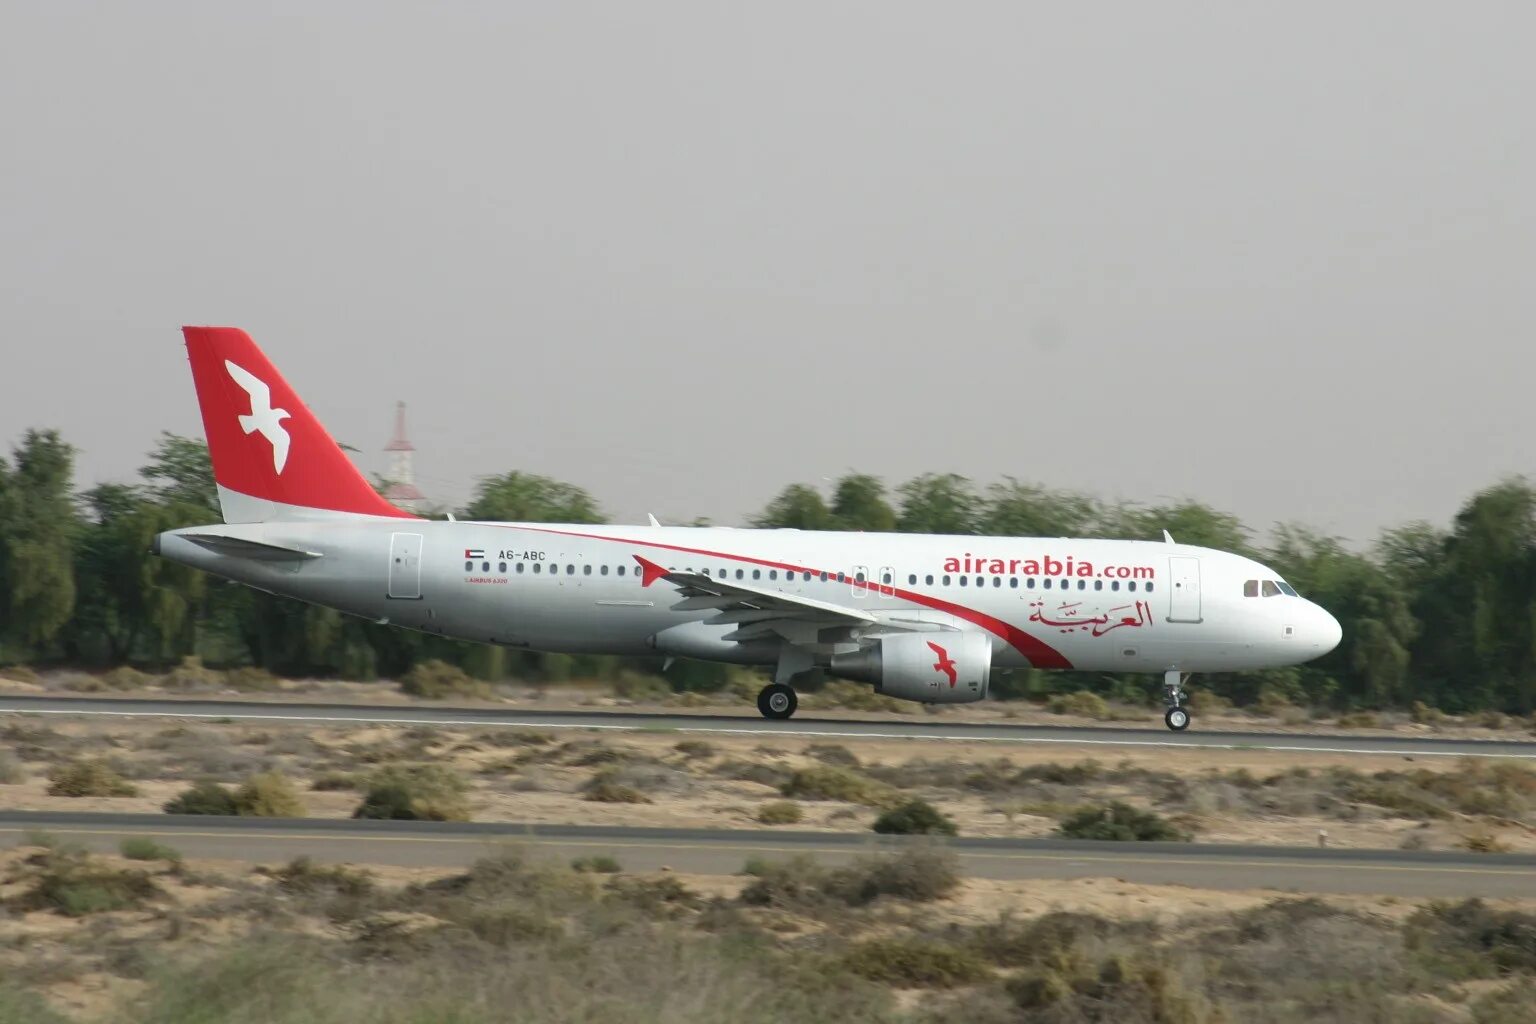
{"type": "Point", "coordinates": [401, 490]}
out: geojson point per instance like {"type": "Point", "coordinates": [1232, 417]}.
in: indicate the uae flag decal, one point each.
{"type": "Point", "coordinates": [474, 552]}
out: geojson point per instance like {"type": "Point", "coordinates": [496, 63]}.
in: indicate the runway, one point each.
{"type": "Point", "coordinates": [809, 725]}
{"type": "Point", "coordinates": [455, 844]}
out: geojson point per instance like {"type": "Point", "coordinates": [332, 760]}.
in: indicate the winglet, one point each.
{"type": "Point", "coordinates": [650, 572]}
{"type": "Point", "coordinates": [653, 519]}
{"type": "Point", "coordinates": [1167, 537]}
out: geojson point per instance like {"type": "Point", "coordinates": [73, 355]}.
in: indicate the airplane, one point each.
{"type": "Point", "coordinates": [923, 618]}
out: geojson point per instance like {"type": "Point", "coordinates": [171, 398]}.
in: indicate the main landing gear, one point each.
{"type": "Point", "coordinates": [1176, 716]}
{"type": "Point", "coordinates": [777, 701]}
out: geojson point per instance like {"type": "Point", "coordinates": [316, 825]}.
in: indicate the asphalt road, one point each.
{"type": "Point", "coordinates": [702, 851]}
{"type": "Point", "coordinates": [809, 725]}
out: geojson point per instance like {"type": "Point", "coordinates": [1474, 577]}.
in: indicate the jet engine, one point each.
{"type": "Point", "coordinates": [935, 668]}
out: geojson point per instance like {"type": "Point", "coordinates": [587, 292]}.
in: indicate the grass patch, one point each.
{"type": "Point", "coordinates": [438, 680]}
{"type": "Point", "coordinates": [909, 962]}
{"type": "Point", "coordinates": [428, 792]}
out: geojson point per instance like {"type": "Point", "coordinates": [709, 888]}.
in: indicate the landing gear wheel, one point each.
{"type": "Point", "coordinates": [777, 701]}
{"type": "Point", "coordinates": [1177, 719]}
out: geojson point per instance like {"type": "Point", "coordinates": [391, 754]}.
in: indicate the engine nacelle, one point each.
{"type": "Point", "coordinates": [936, 668]}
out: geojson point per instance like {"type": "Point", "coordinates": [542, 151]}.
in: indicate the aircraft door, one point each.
{"type": "Point", "coordinates": [405, 566]}
{"type": "Point", "coordinates": [857, 578]}
{"type": "Point", "coordinates": [1183, 589]}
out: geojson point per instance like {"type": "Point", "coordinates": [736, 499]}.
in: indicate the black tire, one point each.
{"type": "Point", "coordinates": [777, 701]}
{"type": "Point", "coordinates": [1176, 719]}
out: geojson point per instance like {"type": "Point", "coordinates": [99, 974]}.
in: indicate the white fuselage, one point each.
{"type": "Point", "coordinates": [1102, 605]}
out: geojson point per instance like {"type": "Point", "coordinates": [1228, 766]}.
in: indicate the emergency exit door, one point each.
{"type": "Point", "coordinates": [405, 566]}
{"type": "Point", "coordinates": [1183, 589]}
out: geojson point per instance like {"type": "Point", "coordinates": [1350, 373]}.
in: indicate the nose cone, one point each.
{"type": "Point", "coordinates": [1325, 629]}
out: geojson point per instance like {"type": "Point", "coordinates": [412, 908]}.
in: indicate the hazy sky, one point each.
{"type": "Point", "coordinates": [1276, 257]}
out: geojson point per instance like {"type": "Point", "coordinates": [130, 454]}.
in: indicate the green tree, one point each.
{"type": "Point", "coordinates": [180, 473]}
{"type": "Point", "coordinates": [859, 503]}
{"type": "Point", "coordinates": [1015, 509]}
{"type": "Point", "coordinates": [37, 528]}
{"type": "Point", "coordinates": [938, 503]}
{"type": "Point", "coordinates": [797, 507]}
{"type": "Point", "coordinates": [529, 498]}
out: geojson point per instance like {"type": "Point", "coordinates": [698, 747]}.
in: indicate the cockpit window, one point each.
{"type": "Point", "coordinates": [1271, 588]}
{"type": "Point", "coordinates": [1250, 588]}
{"type": "Point", "coordinates": [1286, 588]}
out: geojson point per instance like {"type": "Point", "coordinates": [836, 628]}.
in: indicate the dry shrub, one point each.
{"type": "Point", "coordinates": [1481, 840]}
{"type": "Point", "coordinates": [695, 749]}
{"type": "Point", "coordinates": [1473, 940]}
{"type": "Point", "coordinates": [12, 771]}
{"type": "Point", "coordinates": [192, 675]}
{"type": "Point", "coordinates": [914, 818]}
{"type": "Point", "coordinates": [269, 795]}
{"type": "Point", "coordinates": [72, 883]}
{"type": "Point", "coordinates": [631, 685]}
{"type": "Point", "coordinates": [88, 778]}
{"type": "Point", "coordinates": [144, 848]}
{"type": "Point", "coordinates": [833, 753]}
{"type": "Point", "coordinates": [438, 680]}
{"type": "Point", "coordinates": [607, 787]}
{"type": "Point", "coordinates": [831, 782]}
{"type": "Point", "coordinates": [126, 677]}
{"type": "Point", "coordinates": [427, 792]}
{"type": "Point", "coordinates": [1358, 720]}
{"type": "Point", "coordinates": [1119, 822]}
{"type": "Point", "coordinates": [250, 679]}
{"type": "Point", "coordinates": [19, 674]}
{"type": "Point", "coordinates": [779, 812]}
{"type": "Point", "coordinates": [919, 873]}
{"type": "Point", "coordinates": [203, 797]}
{"type": "Point", "coordinates": [910, 962]}
{"type": "Point", "coordinates": [1082, 704]}
{"type": "Point", "coordinates": [839, 693]}
{"type": "Point", "coordinates": [303, 876]}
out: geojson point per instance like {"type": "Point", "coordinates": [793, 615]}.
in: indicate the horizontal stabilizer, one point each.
{"type": "Point", "coordinates": [237, 547]}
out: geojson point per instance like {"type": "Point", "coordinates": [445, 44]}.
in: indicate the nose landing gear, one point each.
{"type": "Point", "coordinates": [1176, 717]}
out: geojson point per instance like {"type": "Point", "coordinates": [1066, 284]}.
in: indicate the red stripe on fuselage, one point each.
{"type": "Point", "coordinates": [1039, 653]}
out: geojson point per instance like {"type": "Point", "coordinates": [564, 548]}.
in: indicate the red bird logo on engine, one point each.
{"type": "Point", "coordinates": [945, 664]}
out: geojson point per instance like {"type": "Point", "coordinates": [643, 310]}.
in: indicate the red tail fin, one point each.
{"type": "Point", "coordinates": [271, 458]}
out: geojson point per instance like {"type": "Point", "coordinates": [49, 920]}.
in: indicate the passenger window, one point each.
{"type": "Point", "coordinates": [570, 570]}
{"type": "Point", "coordinates": [805, 578]}
{"type": "Point", "coordinates": [586, 570]}
{"type": "Point", "coordinates": [928, 580]}
{"type": "Point", "coordinates": [1029, 584]}
{"type": "Point", "coordinates": [1250, 588]}
{"type": "Point", "coordinates": [1098, 584]}
{"type": "Point", "coordinates": [981, 581]}
{"type": "Point", "coordinates": [859, 577]}
{"type": "Point", "coordinates": [773, 574]}
{"type": "Point", "coordinates": [740, 574]}
{"type": "Point", "coordinates": [621, 570]}
{"type": "Point", "coordinates": [485, 566]}
{"type": "Point", "coordinates": [1115, 585]}
{"type": "Point", "coordinates": [965, 581]}
{"type": "Point", "coordinates": [537, 567]}
{"type": "Point", "coordinates": [1131, 585]}
{"type": "Point", "coordinates": [1148, 587]}
{"type": "Point", "coordinates": [1271, 589]}
{"type": "Point", "coordinates": [604, 570]}
{"type": "Point", "coordinates": [946, 581]}
{"type": "Point", "coordinates": [1046, 583]}
{"type": "Point", "coordinates": [469, 566]}
{"type": "Point", "coordinates": [886, 579]}
{"type": "Point", "coordinates": [912, 580]}
{"type": "Point", "coordinates": [1013, 581]}
{"type": "Point", "coordinates": [501, 567]}
{"type": "Point", "coordinates": [757, 574]}
{"type": "Point", "coordinates": [824, 576]}
{"type": "Point", "coordinates": [519, 566]}
{"type": "Point", "coordinates": [997, 581]}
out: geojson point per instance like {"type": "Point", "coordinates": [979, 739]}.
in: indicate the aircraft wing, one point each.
{"type": "Point", "coordinates": [759, 613]}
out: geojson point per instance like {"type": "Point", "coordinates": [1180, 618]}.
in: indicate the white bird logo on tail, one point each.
{"type": "Point", "coordinates": [263, 417]}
